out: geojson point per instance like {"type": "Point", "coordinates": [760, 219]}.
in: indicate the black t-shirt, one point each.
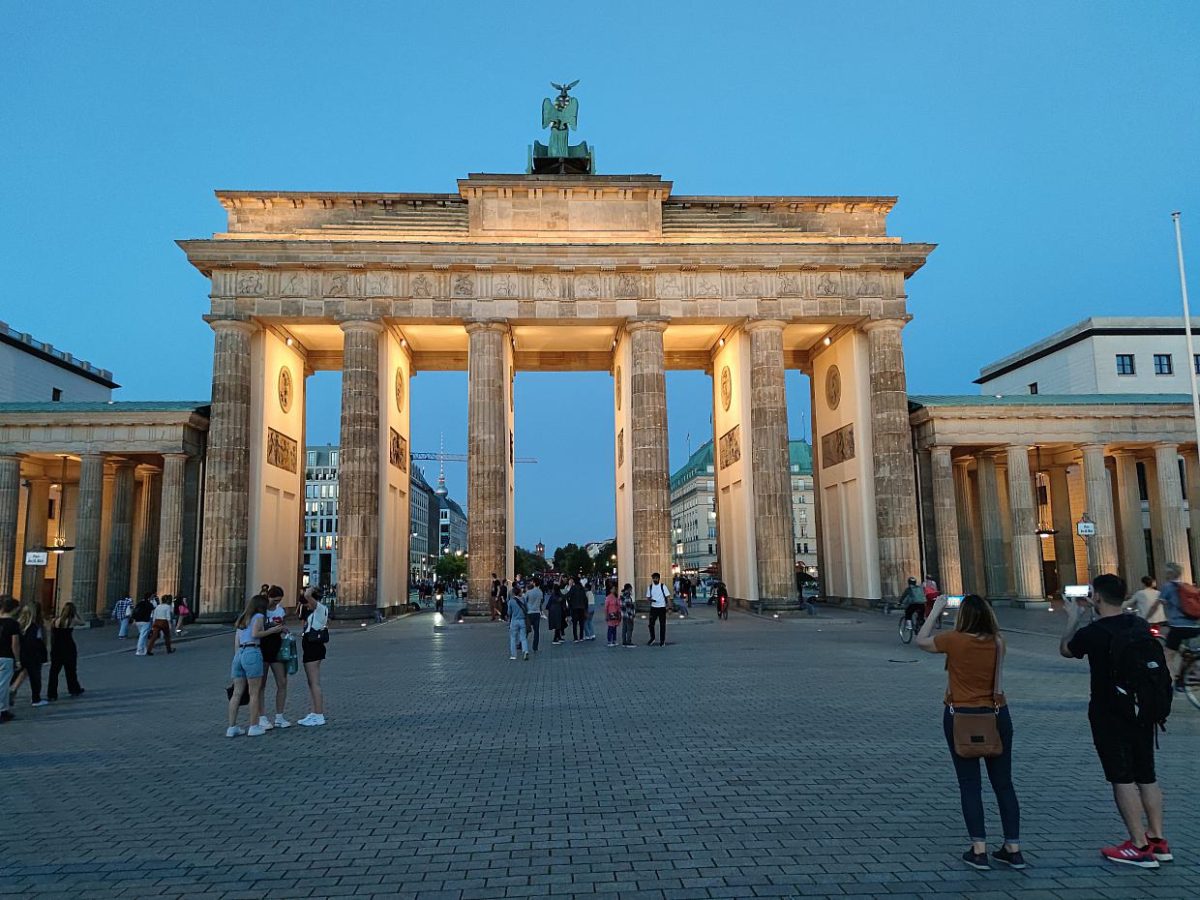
{"type": "Point", "coordinates": [8, 628]}
{"type": "Point", "coordinates": [1094, 642]}
{"type": "Point", "coordinates": [143, 611]}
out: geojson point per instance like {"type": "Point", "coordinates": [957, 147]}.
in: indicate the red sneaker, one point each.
{"type": "Point", "coordinates": [1160, 848]}
{"type": "Point", "coordinates": [1130, 855]}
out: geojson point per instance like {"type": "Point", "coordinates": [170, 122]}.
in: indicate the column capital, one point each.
{"type": "Point", "coordinates": [879, 324]}
{"type": "Point", "coordinates": [183, 456]}
{"type": "Point", "coordinates": [752, 325]}
{"type": "Point", "coordinates": [964, 461]}
{"type": "Point", "coordinates": [474, 326]}
{"type": "Point", "coordinates": [1102, 448]}
{"type": "Point", "coordinates": [1165, 445]}
{"type": "Point", "coordinates": [632, 325]}
{"type": "Point", "coordinates": [1123, 452]}
{"type": "Point", "coordinates": [226, 324]}
{"type": "Point", "coordinates": [372, 325]}
{"type": "Point", "coordinates": [940, 450]}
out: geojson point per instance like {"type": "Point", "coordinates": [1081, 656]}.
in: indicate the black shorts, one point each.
{"type": "Point", "coordinates": [270, 645]}
{"type": "Point", "coordinates": [314, 651]}
{"type": "Point", "coordinates": [1125, 748]}
{"type": "Point", "coordinates": [1178, 634]}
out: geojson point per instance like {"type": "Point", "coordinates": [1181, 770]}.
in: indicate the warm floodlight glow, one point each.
{"type": "Point", "coordinates": [827, 341]}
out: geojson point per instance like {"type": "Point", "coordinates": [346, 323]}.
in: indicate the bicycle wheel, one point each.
{"type": "Point", "coordinates": [906, 629]}
{"type": "Point", "coordinates": [1190, 679]}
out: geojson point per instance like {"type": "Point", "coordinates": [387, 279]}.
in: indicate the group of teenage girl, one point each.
{"type": "Point", "coordinates": [258, 648]}
{"type": "Point", "coordinates": [27, 641]}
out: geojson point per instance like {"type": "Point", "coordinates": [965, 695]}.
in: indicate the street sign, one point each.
{"type": "Point", "coordinates": [36, 558]}
{"type": "Point", "coordinates": [1086, 529]}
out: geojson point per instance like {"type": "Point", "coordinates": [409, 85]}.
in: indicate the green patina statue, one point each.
{"type": "Point", "coordinates": [560, 157]}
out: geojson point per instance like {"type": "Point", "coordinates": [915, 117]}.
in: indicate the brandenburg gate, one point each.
{"type": "Point", "coordinates": [560, 272]}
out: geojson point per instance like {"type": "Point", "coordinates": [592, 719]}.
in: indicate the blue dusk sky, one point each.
{"type": "Point", "coordinates": [1041, 145]}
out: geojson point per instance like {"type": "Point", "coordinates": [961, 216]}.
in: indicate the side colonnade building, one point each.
{"type": "Point", "coordinates": [558, 272]}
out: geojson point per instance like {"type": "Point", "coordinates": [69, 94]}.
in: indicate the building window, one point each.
{"type": "Point", "coordinates": [55, 394]}
{"type": "Point", "coordinates": [1033, 387]}
{"type": "Point", "coordinates": [1196, 362]}
{"type": "Point", "coordinates": [1162, 364]}
{"type": "Point", "coordinates": [1125, 364]}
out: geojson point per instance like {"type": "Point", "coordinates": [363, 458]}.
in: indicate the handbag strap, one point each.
{"type": "Point", "coordinates": [996, 674]}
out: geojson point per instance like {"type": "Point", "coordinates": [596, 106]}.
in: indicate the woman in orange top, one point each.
{"type": "Point", "coordinates": [612, 613]}
{"type": "Point", "coordinates": [975, 685]}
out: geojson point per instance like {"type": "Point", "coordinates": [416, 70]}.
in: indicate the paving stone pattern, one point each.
{"type": "Point", "coordinates": [750, 758]}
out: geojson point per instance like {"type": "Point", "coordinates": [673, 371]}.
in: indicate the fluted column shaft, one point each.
{"type": "Point", "coordinates": [995, 570]}
{"type": "Point", "coordinates": [1192, 470]}
{"type": "Point", "coordinates": [1170, 493]}
{"type": "Point", "coordinates": [487, 460]}
{"type": "Point", "coordinates": [226, 523]}
{"type": "Point", "coordinates": [1064, 526]}
{"type": "Point", "coordinates": [170, 524]}
{"type": "Point", "coordinates": [1129, 512]}
{"type": "Point", "coordinates": [774, 534]}
{"type": "Point", "coordinates": [895, 483]}
{"type": "Point", "coordinates": [10, 504]}
{"type": "Point", "coordinates": [969, 579]}
{"type": "Point", "coordinates": [1027, 555]}
{"type": "Point", "coordinates": [649, 455]}
{"type": "Point", "coordinates": [945, 518]}
{"type": "Point", "coordinates": [33, 577]}
{"type": "Point", "coordinates": [358, 470]}
{"type": "Point", "coordinates": [85, 571]}
{"type": "Point", "coordinates": [1102, 546]}
{"type": "Point", "coordinates": [120, 535]}
{"type": "Point", "coordinates": [147, 568]}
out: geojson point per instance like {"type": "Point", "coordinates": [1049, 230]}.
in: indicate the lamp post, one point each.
{"type": "Point", "coordinates": [1187, 326]}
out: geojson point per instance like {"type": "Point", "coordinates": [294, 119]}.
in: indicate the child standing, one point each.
{"type": "Point", "coordinates": [612, 614]}
{"type": "Point", "coordinates": [628, 614]}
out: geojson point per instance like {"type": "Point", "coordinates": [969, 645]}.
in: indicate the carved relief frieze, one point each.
{"type": "Point", "coordinates": [829, 284]}
{"type": "Point", "coordinates": [868, 284]}
{"type": "Point", "coordinates": [504, 285]}
{"type": "Point", "coordinates": [397, 450]}
{"type": "Point", "coordinates": [463, 285]}
{"type": "Point", "coordinates": [749, 284]}
{"type": "Point", "coordinates": [421, 285]}
{"type": "Point", "coordinates": [587, 287]}
{"type": "Point", "coordinates": [628, 287]}
{"type": "Point", "coordinates": [670, 286]}
{"type": "Point", "coordinates": [790, 284]}
{"type": "Point", "coordinates": [282, 451]}
{"type": "Point", "coordinates": [337, 284]}
{"type": "Point", "coordinates": [545, 286]}
{"type": "Point", "coordinates": [251, 284]}
{"type": "Point", "coordinates": [729, 447]}
{"type": "Point", "coordinates": [708, 284]}
{"type": "Point", "coordinates": [837, 446]}
{"type": "Point", "coordinates": [295, 284]}
{"type": "Point", "coordinates": [379, 284]}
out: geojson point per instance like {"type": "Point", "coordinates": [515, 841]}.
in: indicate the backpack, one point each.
{"type": "Point", "coordinates": [1140, 675]}
{"type": "Point", "coordinates": [1189, 599]}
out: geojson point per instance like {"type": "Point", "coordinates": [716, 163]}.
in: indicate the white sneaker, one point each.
{"type": "Point", "coordinates": [281, 722]}
{"type": "Point", "coordinates": [256, 731]}
{"type": "Point", "coordinates": [264, 723]}
{"type": "Point", "coordinates": [234, 731]}
{"type": "Point", "coordinates": [313, 719]}
{"type": "Point", "coordinates": [512, 657]}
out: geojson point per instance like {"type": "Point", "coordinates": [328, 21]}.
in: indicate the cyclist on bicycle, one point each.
{"type": "Point", "coordinates": [913, 599]}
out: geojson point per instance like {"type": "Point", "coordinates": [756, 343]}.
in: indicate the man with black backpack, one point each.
{"type": "Point", "coordinates": [1130, 700]}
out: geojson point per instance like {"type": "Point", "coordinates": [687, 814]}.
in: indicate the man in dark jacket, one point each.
{"type": "Point", "coordinates": [143, 611]}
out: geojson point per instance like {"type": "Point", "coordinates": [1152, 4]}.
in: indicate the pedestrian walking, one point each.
{"type": "Point", "coordinates": [33, 653]}
{"type": "Point", "coordinates": [160, 620]}
{"type": "Point", "coordinates": [577, 603]}
{"type": "Point", "coordinates": [612, 613]}
{"type": "Point", "coordinates": [518, 624]}
{"type": "Point", "coordinates": [975, 705]}
{"type": "Point", "coordinates": [534, 604]}
{"type": "Point", "coordinates": [658, 597]}
{"type": "Point", "coordinates": [589, 629]}
{"type": "Point", "coordinates": [1181, 624]}
{"type": "Point", "coordinates": [247, 667]}
{"type": "Point", "coordinates": [142, 613]}
{"type": "Point", "coordinates": [10, 652]}
{"type": "Point", "coordinates": [628, 615]}
{"type": "Point", "coordinates": [313, 642]}
{"type": "Point", "coordinates": [182, 614]}
{"type": "Point", "coordinates": [1120, 650]}
{"type": "Point", "coordinates": [1146, 602]}
{"type": "Point", "coordinates": [271, 645]}
{"type": "Point", "coordinates": [556, 612]}
{"type": "Point", "coordinates": [64, 655]}
{"type": "Point", "coordinates": [121, 612]}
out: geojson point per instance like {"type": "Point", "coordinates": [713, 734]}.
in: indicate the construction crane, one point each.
{"type": "Point", "coordinates": [460, 457]}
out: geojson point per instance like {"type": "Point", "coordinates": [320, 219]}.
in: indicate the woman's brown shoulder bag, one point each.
{"type": "Point", "coordinates": [978, 734]}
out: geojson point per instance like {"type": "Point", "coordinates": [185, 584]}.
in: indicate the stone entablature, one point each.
{"type": "Point", "coordinates": [102, 428]}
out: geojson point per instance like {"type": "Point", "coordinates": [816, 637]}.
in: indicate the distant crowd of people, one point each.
{"type": "Point", "coordinates": [27, 642]}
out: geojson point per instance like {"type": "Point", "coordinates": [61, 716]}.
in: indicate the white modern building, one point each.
{"type": "Point", "coordinates": [320, 515]}
{"type": "Point", "coordinates": [1119, 355]}
{"type": "Point", "coordinates": [35, 372]}
{"type": "Point", "coordinates": [694, 512]}
{"type": "Point", "coordinates": [452, 521]}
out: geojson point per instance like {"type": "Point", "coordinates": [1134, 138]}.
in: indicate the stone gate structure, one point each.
{"type": "Point", "coordinates": [540, 272]}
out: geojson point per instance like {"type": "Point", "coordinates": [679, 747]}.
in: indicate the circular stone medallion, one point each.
{"type": "Point", "coordinates": [285, 389]}
{"type": "Point", "coordinates": [726, 388]}
{"type": "Point", "coordinates": [833, 387]}
{"type": "Point", "coordinates": [399, 390]}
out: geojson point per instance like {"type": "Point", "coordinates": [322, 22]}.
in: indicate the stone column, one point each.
{"type": "Point", "coordinates": [10, 504]}
{"type": "Point", "coordinates": [1170, 493]}
{"type": "Point", "coordinates": [1102, 546]}
{"type": "Point", "coordinates": [33, 577]}
{"type": "Point", "coordinates": [85, 572]}
{"type": "Point", "coordinates": [487, 460]}
{"type": "Point", "coordinates": [1063, 524]}
{"type": "Point", "coordinates": [995, 570]}
{"type": "Point", "coordinates": [226, 522]}
{"type": "Point", "coordinates": [770, 464]}
{"type": "Point", "coordinates": [649, 455]}
{"type": "Point", "coordinates": [895, 484]}
{"type": "Point", "coordinates": [147, 568]}
{"type": "Point", "coordinates": [168, 570]}
{"type": "Point", "coordinates": [970, 580]}
{"type": "Point", "coordinates": [1192, 469]}
{"type": "Point", "coordinates": [120, 535]}
{"type": "Point", "coordinates": [1129, 512]}
{"type": "Point", "coordinates": [945, 517]}
{"type": "Point", "coordinates": [1027, 555]}
{"type": "Point", "coordinates": [358, 471]}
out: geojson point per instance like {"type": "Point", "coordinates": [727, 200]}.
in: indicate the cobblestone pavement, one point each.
{"type": "Point", "coordinates": [748, 758]}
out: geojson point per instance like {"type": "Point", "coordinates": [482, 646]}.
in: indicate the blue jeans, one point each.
{"type": "Point", "coordinates": [588, 631]}
{"type": "Point", "coordinates": [143, 633]}
{"type": "Point", "coordinates": [516, 634]}
{"type": "Point", "coordinates": [970, 782]}
{"type": "Point", "coordinates": [123, 627]}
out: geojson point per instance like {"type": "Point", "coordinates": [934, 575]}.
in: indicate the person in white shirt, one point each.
{"type": "Point", "coordinates": [313, 643]}
{"type": "Point", "coordinates": [1146, 602]}
{"type": "Point", "coordinates": [160, 623]}
{"type": "Point", "coordinates": [658, 596]}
